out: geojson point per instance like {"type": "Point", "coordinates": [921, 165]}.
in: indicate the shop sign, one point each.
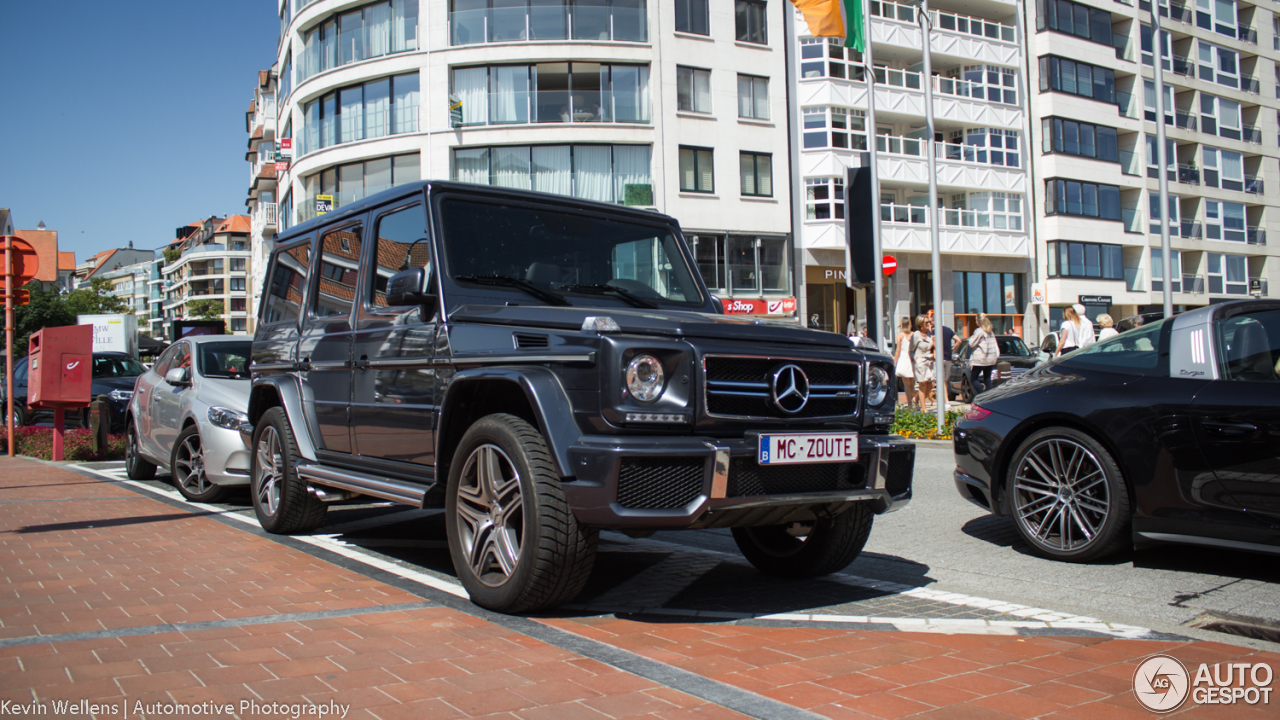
{"type": "Point", "coordinates": [1037, 294]}
{"type": "Point", "coordinates": [740, 306]}
{"type": "Point", "coordinates": [324, 204]}
{"type": "Point", "coordinates": [1095, 300]}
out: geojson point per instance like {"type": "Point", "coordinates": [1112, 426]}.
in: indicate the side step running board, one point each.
{"type": "Point", "coordinates": [379, 487]}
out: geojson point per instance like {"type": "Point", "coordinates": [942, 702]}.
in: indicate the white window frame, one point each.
{"type": "Point", "coordinates": [750, 90]}
{"type": "Point", "coordinates": [699, 84]}
{"type": "Point", "coordinates": [833, 188]}
{"type": "Point", "coordinates": [1213, 69]}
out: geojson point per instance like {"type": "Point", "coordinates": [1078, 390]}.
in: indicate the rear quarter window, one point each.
{"type": "Point", "coordinates": [1142, 351]}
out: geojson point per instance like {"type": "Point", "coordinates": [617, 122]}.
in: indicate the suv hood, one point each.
{"type": "Point", "coordinates": [642, 321]}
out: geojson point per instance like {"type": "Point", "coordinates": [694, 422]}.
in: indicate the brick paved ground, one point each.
{"type": "Point", "coordinates": [108, 573]}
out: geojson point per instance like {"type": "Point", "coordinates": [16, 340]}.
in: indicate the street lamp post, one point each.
{"type": "Point", "coordinates": [935, 247]}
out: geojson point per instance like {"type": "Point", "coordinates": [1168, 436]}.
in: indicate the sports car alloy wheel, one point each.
{"type": "Point", "coordinates": [269, 471]}
{"type": "Point", "coordinates": [1061, 497]}
{"type": "Point", "coordinates": [491, 514]}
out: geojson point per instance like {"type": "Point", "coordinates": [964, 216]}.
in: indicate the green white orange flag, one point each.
{"type": "Point", "coordinates": [835, 18]}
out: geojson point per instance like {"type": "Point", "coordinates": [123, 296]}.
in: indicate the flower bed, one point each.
{"type": "Point", "coordinates": [910, 423]}
{"type": "Point", "coordinates": [77, 444]}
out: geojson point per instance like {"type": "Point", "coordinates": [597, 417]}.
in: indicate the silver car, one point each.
{"type": "Point", "coordinates": [186, 413]}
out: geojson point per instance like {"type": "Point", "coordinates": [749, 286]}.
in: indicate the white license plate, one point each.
{"type": "Point", "coordinates": [796, 448]}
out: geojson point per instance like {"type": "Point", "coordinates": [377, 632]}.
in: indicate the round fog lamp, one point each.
{"type": "Point", "coordinates": [877, 386]}
{"type": "Point", "coordinates": [644, 378]}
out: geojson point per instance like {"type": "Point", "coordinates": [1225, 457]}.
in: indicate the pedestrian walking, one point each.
{"type": "Point", "coordinates": [985, 355]}
{"type": "Point", "coordinates": [1107, 324]}
{"type": "Point", "coordinates": [902, 360]}
{"type": "Point", "coordinates": [922, 357]}
{"type": "Point", "coordinates": [1069, 333]}
{"type": "Point", "coordinates": [1087, 336]}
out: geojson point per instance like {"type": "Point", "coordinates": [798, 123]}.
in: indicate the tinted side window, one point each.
{"type": "Point", "coordinates": [1143, 351]}
{"type": "Point", "coordinates": [283, 300]}
{"type": "Point", "coordinates": [166, 359]}
{"type": "Point", "coordinates": [339, 266]}
{"type": "Point", "coordinates": [20, 374]}
{"type": "Point", "coordinates": [1250, 346]}
{"type": "Point", "coordinates": [396, 249]}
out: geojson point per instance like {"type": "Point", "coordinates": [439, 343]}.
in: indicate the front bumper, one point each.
{"type": "Point", "coordinates": [693, 482]}
{"type": "Point", "coordinates": [226, 455]}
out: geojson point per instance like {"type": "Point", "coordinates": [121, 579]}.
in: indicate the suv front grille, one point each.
{"type": "Point", "coordinates": [741, 387]}
{"type": "Point", "coordinates": [749, 479]}
{"type": "Point", "coordinates": [661, 483]}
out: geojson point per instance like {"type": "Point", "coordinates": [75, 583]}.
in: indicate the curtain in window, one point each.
{"type": "Point", "coordinates": [471, 86]}
{"type": "Point", "coordinates": [311, 54]}
{"type": "Point", "coordinates": [404, 25]}
{"type": "Point", "coordinates": [328, 121]}
{"type": "Point", "coordinates": [405, 104]}
{"type": "Point", "coordinates": [747, 165]}
{"type": "Point", "coordinates": [631, 167]}
{"type": "Point", "coordinates": [593, 172]}
{"type": "Point", "coordinates": [746, 105]}
{"type": "Point", "coordinates": [377, 108]}
{"type": "Point", "coordinates": [510, 94]}
{"type": "Point", "coordinates": [552, 169]}
{"type": "Point", "coordinates": [311, 125]}
{"type": "Point", "coordinates": [329, 46]}
{"type": "Point", "coordinates": [471, 165]}
{"type": "Point", "coordinates": [408, 169]}
{"type": "Point", "coordinates": [1232, 165]}
{"type": "Point", "coordinates": [352, 125]}
{"type": "Point", "coordinates": [377, 23]}
{"type": "Point", "coordinates": [511, 167]}
{"type": "Point", "coordinates": [377, 175]}
{"type": "Point", "coordinates": [350, 37]}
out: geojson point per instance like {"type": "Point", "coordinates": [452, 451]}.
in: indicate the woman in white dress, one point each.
{"type": "Point", "coordinates": [902, 360]}
{"type": "Point", "coordinates": [1069, 334]}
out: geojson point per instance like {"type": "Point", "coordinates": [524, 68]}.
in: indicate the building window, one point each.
{"type": "Point", "coordinates": [551, 93]}
{"type": "Point", "coordinates": [1175, 269]}
{"type": "Point", "coordinates": [238, 304]}
{"type": "Point", "coordinates": [239, 324]}
{"type": "Point", "coordinates": [984, 82]}
{"type": "Point", "coordinates": [993, 293]}
{"type": "Point", "coordinates": [1086, 260]}
{"type": "Point", "coordinates": [1003, 146]}
{"type": "Point", "coordinates": [824, 198]}
{"type": "Point", "coordinates": [753, 97]}
{"type": "Point", "coordinates": [607, 173]}
{"type": "Point", "coordinates": [743, 265]}
{"type": "Point", "coordinates": [284, 81]}
{"type": "Point", "coordinates": [848, 128]}
{"type": "Point", "coordinates": [1153, 158]}
{"type": "Point", "coordinates": [1219, 65]}
{"type": "Point", "coordinates": [351, 182]}
{"type": "Point", "coordinates": [1223, 168]}
{"type": "Point", "coordinates": [692, 17]}
{"type": "Point", "coordinates": [756, 172]}
{"type": "Point", "coordinates": [1072, 197]}
{"type": "Point", "coordinates": [1153, 210]}
{"type": "Point", "coordinates": [479, 21]}
{"type": "Point", "coordinates": [693, 90]}
{"type": "Point", "coordinates": [823, 57]}
{"type": "Point", "coordinates": [1077, 138]}
{"type": "Point", "coordinates": [1148, 47]}
{"type": "Point", "coordinates": [237, 284]}
{"type": "Point", "coordinates": [237, 264]}
{"type": "Point", "coordinates": [1216, 15]}
{"type": "Point", "coordinates": [384, 107]}
{"type": "Point", "coordinates": [367, 32]}
{"type": "Point", "coordinates": [1228, 274]}
{"type": "Point", "coordinates": [985, 210]}
{"type": "Point", "coordinates": [1225, 221]}
{"type": "Point", "coordinates": [750, 21]}
{"type": "Point", "coordinates": [1073, 19]}
{"type": "Point", "coordinates": [1077, 78]}
{"type": "Point", "coordinates": [696, 173]}
{"type": "Point", "coordinates": [1220, 116]}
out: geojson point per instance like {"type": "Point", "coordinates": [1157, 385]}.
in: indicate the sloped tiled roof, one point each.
{"type": "Point", "coordinates": [264, 77]}
{"type": "Point", "coordinates": [235, 224]}
{"type": "Point", "coordinates": [66, 260]}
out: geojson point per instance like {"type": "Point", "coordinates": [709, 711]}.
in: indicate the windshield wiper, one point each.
{"type": "Point", "coordinates": [515, 282]}
{"type": "Point", "coordinates": [605, 289]}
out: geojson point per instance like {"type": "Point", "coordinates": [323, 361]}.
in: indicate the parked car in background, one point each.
{"type": "Point", "coordinates": [1164, 433]}
{"type": "Point", "coordinates": [1012, 350]}
{"type": "Point", "coordinates": [114, 374]}
{"type": "Point", "coordinates": [1137, 321]}
{"type": "Point", "coordinates": [186, 413]}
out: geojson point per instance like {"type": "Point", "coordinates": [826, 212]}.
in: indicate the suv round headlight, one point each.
{"type": "Point", "coordinates": [644, 378]}
{"type": "Point", "coordinates": [877, 385]}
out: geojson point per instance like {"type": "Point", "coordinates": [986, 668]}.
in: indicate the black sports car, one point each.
{"type": "Point", "coordinates": [1012, 351]}
{"type": "Point", "coordinates": [1169, 432]}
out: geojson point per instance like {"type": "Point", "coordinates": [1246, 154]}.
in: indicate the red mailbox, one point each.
{"type": "Point", "coordinates": [60, 367]}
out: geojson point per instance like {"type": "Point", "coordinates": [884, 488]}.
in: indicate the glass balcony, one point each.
{"type": "Point", "coordinates": [1130, 163]}
{"type": "Point", "coordinates": [1193, 284]}
{"type": "Point", "coordinates": [1185, 121]}
{"type": "Point", "coordinates": [1182, 66]}
{"type": "Point", "coordinates": [559, 106]}
{"type": "Point", "coordinates": [584, 20]}
{"type": "Point", "coordinates": [910, 214]}
{"type": "Point", "coordinates": [1134, 281]}
{"type": "Point", "coordinates": [1188, 174]}
{"type": "Point", "coordinates": [1131, 219]}
{"type": "Point", "coordinates": [1253, 185]}
{"type": "Point", "coordinates": [1247, 35]}
{"type": "Point", "coordinates": [1251, 134]}
{"type": "Point", "coordinates": [1255, 235]}
{"type": "Point", "coordinates": [1251, 85]}
{"type": "Point", "coordinates": [1128, 104]}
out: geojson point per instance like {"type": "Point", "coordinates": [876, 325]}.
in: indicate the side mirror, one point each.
{"type": "Point", "coordinates": [410, 287]}
{"type": "Point", "coordinates": [718, 304]}
{"type": "Point", "coordinates": [178, 377]}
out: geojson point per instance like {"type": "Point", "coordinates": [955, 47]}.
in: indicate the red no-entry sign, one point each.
{"type": "Point", "coordinates": [890, 264]}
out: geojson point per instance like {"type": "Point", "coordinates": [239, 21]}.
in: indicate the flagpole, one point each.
{"type": "Point", "coordinates": [869, 73]}
{"type": "Point", "coordinates": [935, 219]}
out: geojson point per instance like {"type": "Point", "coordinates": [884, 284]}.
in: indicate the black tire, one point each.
{"type": "Point", "coordinates": [827, 546]}
{"type": "Point", "coordinates": [280, 498]}
{"type": "Point", "coordinates": [1076, 508]}
{"type": "Point", "coordinates": [967, 390]}
{"type": "Point", "coordinates": [19, 417]}
{"type": "Point", "coordinates": [552, 554]}
{"type": "Point", "coordinates": [186, 464]}
{"type": "Point", "coordinates": [137, 467]}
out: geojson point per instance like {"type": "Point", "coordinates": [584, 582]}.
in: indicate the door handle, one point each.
{"type": "Point", "coordinates": [1232, 429]}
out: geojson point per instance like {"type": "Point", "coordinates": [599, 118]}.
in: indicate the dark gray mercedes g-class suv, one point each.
{"type": "Point", "coordinates": [543, 368]}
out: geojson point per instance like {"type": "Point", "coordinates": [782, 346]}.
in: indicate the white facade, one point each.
{"type": "Point", "coordinates": [981, 163]}
{"type": "Point", "coordinates": [131, 284]}
{"type": "Point", "coordinates": [606, 102]}
{"type": "Point", "coordinates": [1219, 70]}
{"type": "Point", "coordinates": [211, 264]}
{"type": "Point", "coordinates": [263, 208]}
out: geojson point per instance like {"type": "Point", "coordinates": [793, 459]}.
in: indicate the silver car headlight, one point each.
{"type": "Point", "coordinates": [227, 418]}
{"type": "Point", "coordinates": [120, 395]}
{"type": "Point", "coordinates": [877, 385]}
{"type": "Point", "coordinates": [644, 378]}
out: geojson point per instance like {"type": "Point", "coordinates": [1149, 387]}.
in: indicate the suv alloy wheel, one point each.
{"type": "Point", "coordinates": [280, 498]}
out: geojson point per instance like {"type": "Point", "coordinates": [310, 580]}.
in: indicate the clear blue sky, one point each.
{"type": "Point", "coordinates": [122, 121]}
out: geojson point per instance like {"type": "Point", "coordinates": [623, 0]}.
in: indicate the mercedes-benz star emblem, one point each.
{"type": "Point", "coordinates": [790, 389]}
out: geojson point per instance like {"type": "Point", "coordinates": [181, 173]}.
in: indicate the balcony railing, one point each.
{"type": "Point", "coordinates": [582, 21]}
{"type": "Point", "coordinates": [1251, 134]}
{"type": "Point", "coordinates": [1193, 284]}
{"type": "Point", "coordinates": [1134, 280]}
{"type": "Point", "coordinates": [1124, 47]}
{"type": "Point", "coordinates": [267, 215]}
{"type": "Point", "coordinates": [951, 217]}
{"type": "Point", "coordinates": [1175, 11]}
{"type": "Point", "coordinates": [908, 214]}
{"type": "Point", "coordinates": [556, 106]}
{"type": "Point", "coordinates": [948, 86]}
{"type": "Point", "coordinates": [1129, 163]}
{"type": "Point", "coordinates": [1251, 85]}
{"type": "Point", "coordinates": [1188, 174]}
{"type": "Point", "coordinates": [1253, 185]}
{"type": "Point", "coordinates": [963, 24]}
{"type": "Point", "coordinates": [914, 147]}
{"type": "Point", "coordinates": [1255, 235]}
{"type": "Point", "coordinates": [1185, 121]}
{"type": "Point", "coordinates": [1128, 104]}
{"type": "Point", "coordinates": [1132, 220]}
{"type": "Point", "coordinates": [1188, 229]}
{"type": "Point", "coordinates": [1184, 67]}
{"type": "Point", "coordinates": [1247, 35]}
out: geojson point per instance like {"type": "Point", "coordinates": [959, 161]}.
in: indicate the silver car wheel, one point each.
{"type": "Point", "coordinates": [189, 465]}
{"type": "Point", "coordinates": [131, 447]}
{"type": "Point", "coordinates": [270, 471]}
{"type": "Point", "coordinates": [490, 514]}
{"type": "Point", "coordinates": [1061, 496]}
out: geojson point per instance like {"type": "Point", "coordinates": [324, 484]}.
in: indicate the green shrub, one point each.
{"type": "Point", "coordinates": [911, 423]}
{"type": "Point", "coordinates": [77, 444]}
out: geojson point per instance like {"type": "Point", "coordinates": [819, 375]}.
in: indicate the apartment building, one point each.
{"type": "Point", "coordinates": [263, 155]}
{"type": "Point", "coordinates": [208, 260]}
{"type": "Point", "coordinates": [980, 129]}
{"type": "Point", "coordinates": [678, 106]}
{"type": "Point", "coordinates": [107, 261]}
{"type": "Point", "coordinates": [132, 284]}
{"type": "Point", "coordinates": [1096, 176]}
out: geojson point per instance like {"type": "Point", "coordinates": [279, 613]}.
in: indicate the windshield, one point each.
{"type": "Point", "coordinates": [111, 366]}
{"type": "Point", "coordinates": [1012, 346]}
{"type": "Point", "coordinates": [585, 260]}
{"type": "Point", "coordinates": [224, 359]}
